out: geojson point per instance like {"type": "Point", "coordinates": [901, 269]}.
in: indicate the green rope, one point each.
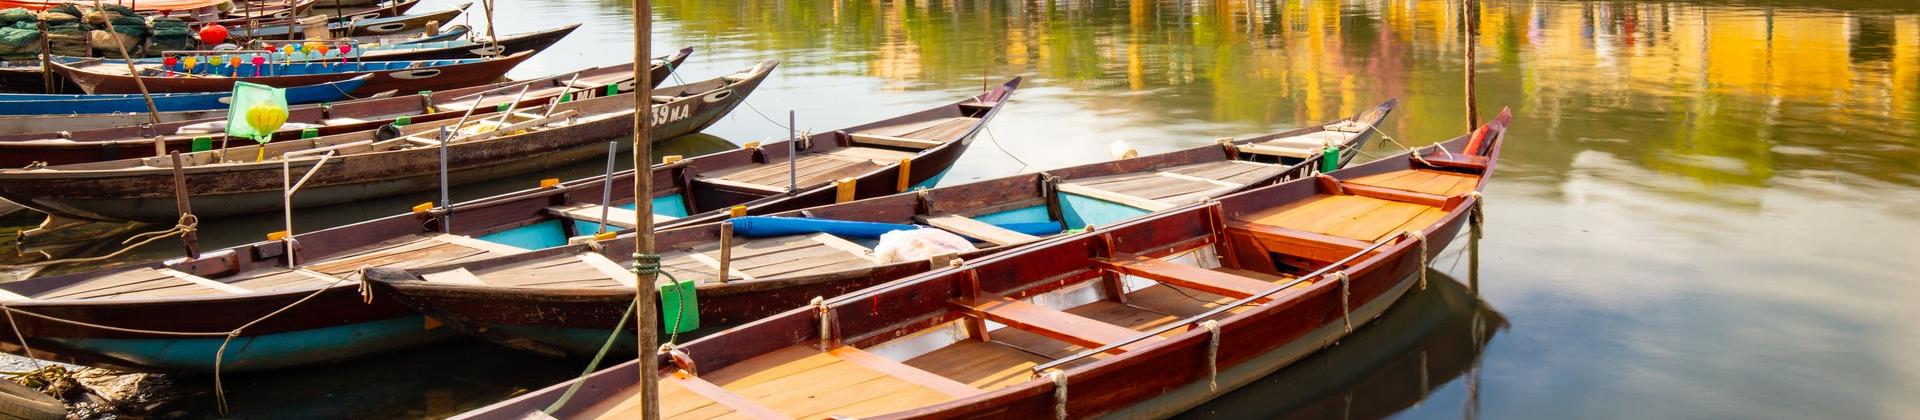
{"type": "Point", "coordinates": [595, 364]}
{"type": "Point", "coordinates": [642, 264]}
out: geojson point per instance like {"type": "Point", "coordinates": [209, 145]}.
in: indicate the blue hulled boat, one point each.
{"type": "Point", "coordinates": [39, 104]}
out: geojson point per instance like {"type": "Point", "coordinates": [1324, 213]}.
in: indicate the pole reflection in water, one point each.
{"type": "Point", "coordinates": [1430, 337]}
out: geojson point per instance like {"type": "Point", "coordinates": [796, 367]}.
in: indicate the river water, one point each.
{"type": "Point", "coordinates": [1703, 209]}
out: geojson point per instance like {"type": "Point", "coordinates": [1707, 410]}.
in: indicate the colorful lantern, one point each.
{"type": "Point", "coordinates": [266, 119]}
{"type": "Point", "coordinates": [170, 61]}
{"type": "Point", "coordinates": [345, 50]}
{"type": "Point", "coordinates": [190, 62]}
{"type": "Point", "coordinates": [213, 34]}
{"type": "Point", "coordinates": [258, 62]}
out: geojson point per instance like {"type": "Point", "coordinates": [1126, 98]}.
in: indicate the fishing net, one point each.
{"type": "Point", "coordinates": [169, 34]}
{"type": "Point", "coordinates": [67, 8]}
{"type": "Point", "coordinates": [251, 101]}
{"type": "Point", "coordinates": [9, 17]}
{"type": "Point", "coordinates": [69, 39]}
{"type": "Point", "coordinates": [19, 42]}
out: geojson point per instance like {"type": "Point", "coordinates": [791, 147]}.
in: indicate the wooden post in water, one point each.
{"type": "Point", "coordinates": [190, 239]}
{"type": "Point", "coordinates": [46, 56]}
{"type": "Point", "coordinates": [1470, 14]}
{"type": "Point", "coordinates": [644, 306]}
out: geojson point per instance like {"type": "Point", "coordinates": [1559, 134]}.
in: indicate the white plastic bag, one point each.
{"type": "Point", "coordinates": [919, 244]}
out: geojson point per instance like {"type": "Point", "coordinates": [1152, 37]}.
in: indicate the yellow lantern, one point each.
{"type": "Point", "coordinates": [266, 119]}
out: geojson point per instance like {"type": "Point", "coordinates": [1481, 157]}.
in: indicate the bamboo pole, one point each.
{"type": "Point", "coordinates": [153, 113]}
{"type": "Point", "coordinates": [1471, 14]}
{"type": "Point", "coordinates": [486, 6]}
{"type": "Point", "coordinates": [46, 56]}
{"type": "Point", "coordinates": [644, 305]}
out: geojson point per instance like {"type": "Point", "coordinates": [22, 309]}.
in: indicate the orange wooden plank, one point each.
{"type": "Point", "coordinates": [983, 365]}
{"type": "Point", "coordinates": [903, 372]}
{"type": "Point", "coordinates": [1372, 225]}
{"type": "Point", "coordinates": [721, 396]}
{"type": "Point", "coordinates": [1210, 281]}
{"type": "Point", "coordinates": [1053, 324]}
{"type": "Point", "coordinates": [1299, 243]}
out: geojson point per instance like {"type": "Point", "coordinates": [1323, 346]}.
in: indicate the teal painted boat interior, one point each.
{"type": "Point", "coordinates": [1081, 211]}
{"type": "Point", "coordinates": [269, 351]}
{"type": "Point", "coordinates": [546, 234]}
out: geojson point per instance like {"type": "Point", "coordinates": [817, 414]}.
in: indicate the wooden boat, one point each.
{"type": "Point", "coordinates": [1430, 338]}
{"type": "Point", "coordinates": [509, 44]}
{"type": "Point", "coordinates": [244, 10]}
{"type": "Point", "coordinates": [44, 105]}
{"type": "Point", "coordinates": [112, 77]}
{"type": "Point", "coordinates": [370, 164]}
{"type": "Point", "coordinates": [1143, 319]}
{"type": "Point", "coordinates": [450, 33]}
{"type": "Point", "coordinates": [360, 27]}
{"type": "Point", "coordinates": [108, 137]}
{"type": "Point", "coordinates": [325, 7]}
{"type": "Point", "coordinates": [205, 293]}
{"type": "Point", "coordinates": [518, 302]}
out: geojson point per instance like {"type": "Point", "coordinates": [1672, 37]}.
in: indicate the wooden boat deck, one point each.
{"type": "Point", "coordinates": [1306, 146]}
{"type": "Point", "coordinates": [783, 256]}
{"type": "Point", "coordinates": [813, 169]}
{"type": "Point", "coordinates": [1174, 186]}
{"type": "Point", "coordinates": [1365, 219]}
{"type": "Point", "coordinates": [152, 283]}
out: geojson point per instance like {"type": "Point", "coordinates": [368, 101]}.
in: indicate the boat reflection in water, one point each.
{"type": "Point", "coordinates": [1428, 339]}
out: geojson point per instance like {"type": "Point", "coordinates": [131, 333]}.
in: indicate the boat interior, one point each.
{"type": "Point", "coordinates": [990, 214]}
{"type": "Point", "coordinates": [1005, 320]}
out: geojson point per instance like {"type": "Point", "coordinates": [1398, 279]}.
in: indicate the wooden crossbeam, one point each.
{"type": "Point", "coordinates": [1123, 199]}
{"type": "Point", "coordinates": [978, 230]}
{"type": "Point", "coordinates": [479, 244]}
{"type": "Point", "coordinates": [617, 217]}
{"type": "Point", "coordinates": [1188, 276]}
{"type": "Point", "coordinates": [205, 282]}
{"type": "Point", "coordinates": [903, 372]}
{"type": "Point", "coordinates": [1299, 243]}
{"type": "Point", "coordinates": [1391, 194]}
{"type": "Point", "coordinates": [609, 268]}
{"type": "Point", "coordinates": [862, 138]}
{"type": "Point", "coordinates": [740, 404]}
{"type": "Point", "coordinates": [1075, 329]}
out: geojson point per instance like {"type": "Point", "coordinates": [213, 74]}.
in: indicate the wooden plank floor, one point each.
{"type": "Point", "coordinates": [804, 382]}
{"type": "Point", "coordinates": [983, 365]}
{"type": "Point", "coordinates": [558, 271]}
{"type": "Point", "coordinates": [1441, 183]}
{"type": "Point", "coordinates": [1350, 216]}
{"type": "Point", "coordinates": [1181, 184]}
{"type": "Point", "coordinates": [814, 169]}
{"type": "Point", "coordinates": [936, 130]}
{"type": "Point", "coordinates": [146, 283]}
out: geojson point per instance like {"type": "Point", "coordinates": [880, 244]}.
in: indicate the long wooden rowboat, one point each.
{"type": "Point", "coordinates": [340, 14]}
{"type": "Point", "coordinates": [517, 301]}
{"type": "Point", "coordinates": [535, 41]}
{"type": "Point", "coordinates": [1144, 319]}
{"type": "Point", "coordinates": [46, 106]}
{"type": "Point", "coordinates": [60, 144]}
{"type": "Point", "coordinates": [159, 296]}
{"type": "Point", "coordinates": [106, 76]}
{"type": "Point", "coordinates": [369, 164]}
{"type": "Point", "coordinates": [364, 27]}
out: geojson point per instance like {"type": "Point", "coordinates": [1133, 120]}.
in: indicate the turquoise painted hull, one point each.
{"type": "Point", "coordinates": [270, 351]}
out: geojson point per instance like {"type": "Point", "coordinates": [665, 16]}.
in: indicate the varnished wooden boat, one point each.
{"type": "Point", "coordinates": [64, 142]}
{"type": "Point", "coordinates": [340, 14]}
{"type": "Point", "coordinates": [106, 76]}
{"type": "Point", "coordinates": [522, 303]}
{"type": "Point", "coordinates": [1144, 319]}
{"type": "Point", "coordinates": [369, 164]}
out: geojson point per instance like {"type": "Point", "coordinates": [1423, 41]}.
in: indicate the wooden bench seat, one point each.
{"type": "Point", "coordinates": [890, 141]}
{"type": "Point", "coordinates": [619, 217]}
{"type": "Point", "coordinates": [1188, 276]}
{"type": "Point", "coordinates": [1058, 325]}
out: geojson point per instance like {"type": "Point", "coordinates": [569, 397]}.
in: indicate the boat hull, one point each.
{"type": "Point", "coordinates": [407, 80]}
{"type": "Point", "coordinates": [331, 327]}
{"type": "Point", "coordinates": [353, 178]}
{"type": "Point", "coordinates": [53, 106]}
{"type": "Point", "coordinates": [120, 136]}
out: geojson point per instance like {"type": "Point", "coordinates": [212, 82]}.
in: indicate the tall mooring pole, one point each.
{"type": "Point", "coordinates": [1470, 15]}
{"type": "Point", "coordinates": [644, 306]}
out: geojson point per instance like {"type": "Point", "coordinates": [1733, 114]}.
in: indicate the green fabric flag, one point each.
{"type": "Point", "coordinates": [256, 104]}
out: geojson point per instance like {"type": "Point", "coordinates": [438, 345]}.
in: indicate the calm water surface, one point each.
{"type": "Point", "coordinates": [1703, 211]}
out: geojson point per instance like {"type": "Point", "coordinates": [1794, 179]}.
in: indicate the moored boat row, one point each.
{"type": "Point", "coordinates": [1252, 252]}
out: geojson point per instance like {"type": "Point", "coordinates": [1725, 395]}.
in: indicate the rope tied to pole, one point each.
{"type": "Point", "coordinates": [826, 328]}
{"type": "Point", "coordinates": [1479, 213]}
{"type": "Point", "coordinates": [1346, 298]}
{"type": "Point", "coordinates": [187, 224]}
{"type": "Point", "coordinates": [1213, 354]}
{"type": "Point", "coordinates": [1059, 393]}
{"type": "Point", "coordinates": [594, 365]}
{"type": "Point", "coordinates": [1422, 237]}
{"type": "Point", "coordinates": [649, 264]}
